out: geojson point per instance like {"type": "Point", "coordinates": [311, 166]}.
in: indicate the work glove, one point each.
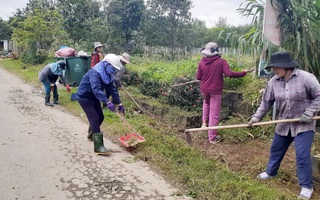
{"type": "Point", "coordinates": [253, 120]}
{"type": "Point", "coordinates": [121, 109]}
{"type": "Point", "coordinates": [111, 107]}
{"type": "Point", "coordinates": [305, 118]}
{"type": "Point", "coordinates": [68, 88]}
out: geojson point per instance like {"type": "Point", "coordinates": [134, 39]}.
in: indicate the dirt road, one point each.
{"type": "Point", "coordinates": [44, 154]}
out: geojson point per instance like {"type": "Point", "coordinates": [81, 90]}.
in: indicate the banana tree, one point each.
{"type": "Point", "coordinates": [298, 21]}
{"type": "Point", "coordinates": [251, 40]}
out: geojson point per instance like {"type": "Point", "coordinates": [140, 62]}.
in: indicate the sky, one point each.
{"type": "Point", "coordinates": [207, 10]}
{"type": "Point", "coordinates": [210, 11]}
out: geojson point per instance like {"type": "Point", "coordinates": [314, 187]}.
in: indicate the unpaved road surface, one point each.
{"type": "Point", "coordinates": [44, 154]}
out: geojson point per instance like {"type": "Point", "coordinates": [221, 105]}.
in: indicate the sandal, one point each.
{"type": "Point", "coordinates": [305, 193]}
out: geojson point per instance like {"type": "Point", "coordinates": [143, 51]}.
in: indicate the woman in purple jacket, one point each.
{"type": "Point", "coordinates": [210, 72]}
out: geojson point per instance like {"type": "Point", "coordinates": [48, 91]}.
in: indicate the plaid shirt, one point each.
{"type": "Point", "coordinates": [299, 95]}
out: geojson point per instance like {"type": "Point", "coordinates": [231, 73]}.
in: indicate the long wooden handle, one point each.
{"type": "Point", "coordinates": [132, 99]}
{"type": "Point", "coordinates": [126, 123]}
{"type": "Point", "coordinates": [186, 83]}
{"type": "Point", "coordinates": [246, 125]}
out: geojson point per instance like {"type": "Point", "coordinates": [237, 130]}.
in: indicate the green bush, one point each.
{"type": "Point", "coordinates": [130, 78]}
{"type": "Point", "coordinates": [153, 88]}
{"type": "Point", "coordinates": [233, 83]}
{"type": "Point", "coordinates": [157, 76]}
{"type": "Point", "coordinates": [185, 96]}
{"type": "Point", "coordinates": [33, 55]}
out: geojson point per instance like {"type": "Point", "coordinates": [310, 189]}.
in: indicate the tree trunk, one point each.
{"type": "Point", "coordinates": [127, 40]}
{"type": "Point", "coordinates": [173, 35]}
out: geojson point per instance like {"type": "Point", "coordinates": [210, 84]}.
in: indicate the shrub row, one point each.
{"type": "Point", "coordinates": [187, 96]}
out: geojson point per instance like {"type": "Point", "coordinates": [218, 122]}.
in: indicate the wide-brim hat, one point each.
{"type": "Point", "coordinates": [211, 49]}
{"type": "Point", "coordinates": [283, 60]}
{"type": "Point", "coordinates": [114, 60]}
{"type": "Point", "coordinates": [97, 45]}
{"type": "Point", "coordinates": [125, 58]}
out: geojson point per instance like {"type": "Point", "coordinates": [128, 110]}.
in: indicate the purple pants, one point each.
{"type": "Point", "coordinates": [94, 113]}
{"type": "Point", "coordinates": [211, 112]}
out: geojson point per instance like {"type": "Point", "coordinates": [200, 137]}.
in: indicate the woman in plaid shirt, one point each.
{"type": "Point", "coordinates": [297, 95]}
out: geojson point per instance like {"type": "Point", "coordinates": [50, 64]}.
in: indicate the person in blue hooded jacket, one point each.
{"type": "Point", "coordinates": [91, 92]}
{"type": "Point", "coordinates": [48, 76]}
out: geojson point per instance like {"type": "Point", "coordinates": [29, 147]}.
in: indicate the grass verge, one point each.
{"type": "Point", "coordinates": [202, 178]}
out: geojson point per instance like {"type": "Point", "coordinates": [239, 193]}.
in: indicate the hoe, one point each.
{"type": "Point", "coordinates": [192, 130]}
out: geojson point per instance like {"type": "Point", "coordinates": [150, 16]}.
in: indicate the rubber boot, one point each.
{"type": "Point", "coordinates": [47, 101]}
{"type": "Point", "coordinates": [90, 132]}
{"type": "Point", "coordinates": [98, 145]}
{"type": "Point", "coordinates": [56, 99]}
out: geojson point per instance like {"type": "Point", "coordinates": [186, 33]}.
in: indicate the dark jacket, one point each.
{"type": "Point", "coordinates": [210, 73]}
{"type": "Point", "coordinates": [92, 88]}
{"type": "Point", "coordinates": [47, 76]}
{"type": "Point", "coordinates": [117, 77]}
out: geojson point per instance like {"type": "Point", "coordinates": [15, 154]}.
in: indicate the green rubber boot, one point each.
{"type": "Point", "coordinates": [90, 132]}
{"type": "Point", "coordinates": [56, 99]}
{"type": "Point", "coordinates": [98, 145]}
{"type": "Point", "coordinates": [47, 101]}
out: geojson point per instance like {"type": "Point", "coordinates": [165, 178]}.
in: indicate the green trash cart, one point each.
{"type": "Point", "coordinates": [76, 68]}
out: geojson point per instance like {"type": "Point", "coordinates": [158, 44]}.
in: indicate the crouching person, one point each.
{"type": "Point", "coordinates": [48, 76]}
{"type": "Point", "coordinates": [91, 92]}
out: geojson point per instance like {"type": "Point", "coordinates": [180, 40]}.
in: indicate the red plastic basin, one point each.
{"type": "Point", "coordinates": [132, 138]}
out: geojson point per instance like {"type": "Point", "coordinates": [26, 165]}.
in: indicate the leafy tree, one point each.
{"type": "Point", "coordinates": [194, 34]}
{"type": "Point", "coordinates": [5, 30]}
{"type": "Point", "coordinates": [300, 31]}
{"type": "Point", "coordinates": [37, 33]}
{"type": "Point", "coordinates": [214, 35]}
{"type": "Point", "coordinates": [165, 19]}
{"type": "Point", "coordinates": [124, 17]}
{"type": "Point", "coordinates": [83, 20]}
{"type": "Point", "coordinates": [299, 25]}
{"type": "Point", "coordinates": [222, 22]}
{"type": "Point", "coordinates": [233, 37]}
{"type": "Point", "coordinates": [21, 14]}
{"type": "Point", "coordinates": [252, 40]}
{"type": "Point", "coordinates": [42, 27]}
{"type": "Point", "coordinates": [18, 17]}
{"type": "Point", "coordinates": [42, 5]}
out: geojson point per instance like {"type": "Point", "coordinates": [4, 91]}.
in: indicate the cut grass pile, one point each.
{"type": "Point", "coordinates": [201, 177]}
